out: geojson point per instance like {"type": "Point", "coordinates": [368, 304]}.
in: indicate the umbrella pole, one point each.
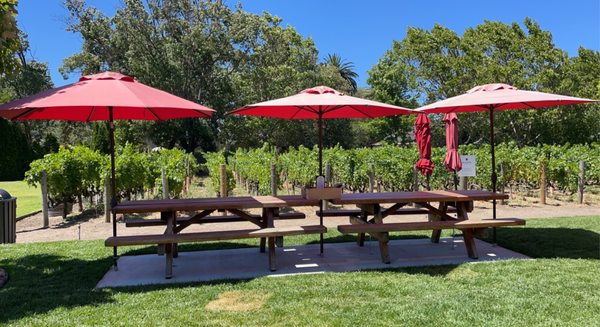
{"type": "Point", "coordinates": [494, 176]}
{"type": "Point", "coordinates": [113, 200]}
{"type": "Point", "coordinates": [321, 174]}
{"type": "Point", "coordinates": [455, 181]}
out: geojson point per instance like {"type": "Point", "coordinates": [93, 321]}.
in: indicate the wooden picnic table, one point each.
{"type": "Point", "coordinates": [370, 205]}
{"type": "Point", "coordinates": [204, 207]}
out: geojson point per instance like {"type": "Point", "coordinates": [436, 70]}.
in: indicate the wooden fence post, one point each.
{"type": "Point", "coordinates": [371, 178]}
{"type": "Point", "coordinates": [543, 182]}
{"type": "Point", "coordinates": [107, 195]}
{"type": "Point", "coordinates": [165, 183]}
{"type": "Point", "coordinates": [223, 180]}
{"type": "Point", "coordinates": [328, 177]}
{"type": "Point", "coordinates": [273, 180]}
{"type": "Point", "coordinates": [463, 182]}
{"type": "Point", "coordinates": [44, 186]}
{"type": "Point", "coordinates": [328, 182]}
{"type": "Point", "coordinates": [415, 179]}
{"type": "Point", "coordinates": [187, 180]}
{"type": "Point", "coordinates": [581, 181]}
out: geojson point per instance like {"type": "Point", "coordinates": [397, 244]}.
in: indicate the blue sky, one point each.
{"type": "Point", "coordinates": [360, 31]}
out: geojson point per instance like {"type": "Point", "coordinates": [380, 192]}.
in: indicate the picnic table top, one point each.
{"type": "Point", "coordinates": [249, 202]}
{"type": "Point", "coordinates": [239, 202]}
{"type": "Point", "coordinates": [422, 196]}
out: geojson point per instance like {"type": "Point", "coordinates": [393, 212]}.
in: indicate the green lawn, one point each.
{"type": "Point", "coordinates": [52, 284]}
{"type": "Point", "coordinates": [29, 198]}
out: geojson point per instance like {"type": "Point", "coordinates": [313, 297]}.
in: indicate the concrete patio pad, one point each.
{"type": "Point", "coordinates": [248, 263]}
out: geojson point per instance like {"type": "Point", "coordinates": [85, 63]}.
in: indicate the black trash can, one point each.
{"type": "Point", "coordinates": [8, 218]}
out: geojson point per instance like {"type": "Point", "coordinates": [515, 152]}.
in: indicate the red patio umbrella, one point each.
{"type": "Point", "coordinates": [105, 96]}
{"type": "Point", "coordinates": [492, 97]}
{"type": "Point", "coordinates": [452, 160]}
{"type": "Point", "coordinates": [320, 103]}
{"type": "Point", "coordinates": [423, 138]}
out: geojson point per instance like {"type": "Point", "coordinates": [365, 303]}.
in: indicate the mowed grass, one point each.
{"type": "Point", "coordinates": [29, 199]}
{"type": "Point", "coordinates": [53, 284]}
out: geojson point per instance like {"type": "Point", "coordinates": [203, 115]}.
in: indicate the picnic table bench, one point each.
{"type": "Point", "coordinates": [265, 231]}
{"type": "Point", "coordinates": [144, 222]}
{"type": "Point", "coordinates": [369, 205]}
{"type": "Point", "coordinates": [357, 212]}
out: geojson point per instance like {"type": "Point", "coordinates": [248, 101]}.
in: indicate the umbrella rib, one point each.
{"type": "Point", "coordinates": [152, 112]}
{"type": "Point", "coordinates": [297, 111]}
{"type": "Point", "coordinates": [362, 112]}
{"type": "Point", "coordinates": [528, 105]}
{"type": "Point", "coordinates": [309, 109]}
{"type": "Point", "coordinates": [205, 115]}
{"type": "Point", "coordinates": [25, 113]}
{"type": "Point", "coordinates": [333, 109]}
{"type": "Point", "coordinates": [90, 115]}
{"type": "Point", "coordinates": [239, 110]}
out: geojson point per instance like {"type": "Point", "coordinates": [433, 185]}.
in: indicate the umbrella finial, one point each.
{"type": "Point", "coordinates": [491, 87]}
{"type": "Point", "coordinates": [321, 90]}
{"type": "Point", "coordinates": [107, 76]}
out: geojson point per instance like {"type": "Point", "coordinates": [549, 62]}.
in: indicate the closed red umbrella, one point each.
{"type": "Point", "coordinates": [492, 97]}
{"type": "Point", "coordinates": [452, 159]}
{"type": "Point", "coordinates": [105, 96]}
{"type": "Point", "coordinates": [423, 138]}
{"type": "Point", "coordinates": [320, 102]}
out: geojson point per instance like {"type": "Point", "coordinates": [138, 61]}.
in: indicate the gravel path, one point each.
{"type": "Point", "coordinates": [30, 229]}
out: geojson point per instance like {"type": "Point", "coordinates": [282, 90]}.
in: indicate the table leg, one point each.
{"type": "Point", "coordinates": [263, 241]}
{"type": "Point", "coordinates": [470, 243]}
{"type": "Point", "coordinates": [436, 233]}
{"type": "Point", "coordinates": [272, 264]}
{"type": "Point", "coordinates": [269, 216]}
{"type": "Point", "coordinates": [360, 239]}
{"type": "Point", "coordinates": [161, 247]}
{"type": "Point", "coordinates": [384, 239]}
{"type": "Point", "coordinates": [169, 248]}
{"type": "Point", "coordinates": [279, 241]}
{"type": "Point", "coordinates": [461, 211]}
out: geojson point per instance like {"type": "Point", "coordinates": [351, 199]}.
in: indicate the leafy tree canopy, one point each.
{"type": "Point", "coordinates": [430, 65]}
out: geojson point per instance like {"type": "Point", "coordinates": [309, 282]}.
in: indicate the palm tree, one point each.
{"type": "Point", "coordinates": [344, 68]}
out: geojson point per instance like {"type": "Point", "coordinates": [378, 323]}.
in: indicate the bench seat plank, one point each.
{"type": "Point", "coordinates": [141, 222]}
{"type": "Point", "coordinates": [214, 236]}
{"type": "Point", "coordinates": [356, 212]}
{"type": "Point", "coordinates": [427, 225]}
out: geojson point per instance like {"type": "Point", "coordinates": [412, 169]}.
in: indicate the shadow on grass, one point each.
{"type": "Point", "coordinates": [43, 282]}
{"type": "Point", "coordinates": [571, 243]}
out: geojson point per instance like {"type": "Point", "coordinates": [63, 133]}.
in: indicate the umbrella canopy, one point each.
{"type": "Point", "coordinates": [492, 97]}
{"type": "Point", "coordinates": [105, 96]}
{"type": "Point", "coordinates": [90, 98]}
{"type": "Point", "coordinates": [452, 160]}
{"type": "Point", "coordinates": [423, 138]}
{"type": "Point", "coordinates": [499, 97]}
{"type": "Point", "coordinates": [320, 102]}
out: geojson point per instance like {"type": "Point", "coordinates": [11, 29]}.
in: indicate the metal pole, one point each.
{"type": "Point", "coordinates": [494, 176]}
{"type": "Point", "coordinates": [320, 144]}
{"type": "Point", "coordinates": [321, 174]}
{"type": "Point", "coordinates": [113, 201]}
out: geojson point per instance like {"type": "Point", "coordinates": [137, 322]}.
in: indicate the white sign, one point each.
{"type": "Point", "coordinates": [469, 165]}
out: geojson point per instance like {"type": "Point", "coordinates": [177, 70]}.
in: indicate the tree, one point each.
{"type": "Point", "coordinates": [429, 65]}
{"type": "Point", "coordinates": [206, 52]}
{"type": "Point", "coordinates": [23, 141]}
{"type": "Point", "coordinates": [9, 37]}
{"type": "Point", "coordinates": [344, 68]}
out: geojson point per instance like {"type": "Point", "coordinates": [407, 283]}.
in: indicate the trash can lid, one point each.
{"type": "Point", "coordinates": [4, 195]}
